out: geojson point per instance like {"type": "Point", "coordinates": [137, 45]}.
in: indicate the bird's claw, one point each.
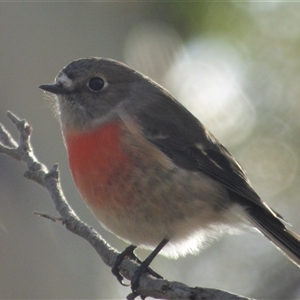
{"type": "Point", "coordinates": [127, 253]}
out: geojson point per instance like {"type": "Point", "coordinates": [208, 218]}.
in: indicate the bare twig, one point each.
{"type": "Point", "coordinates": [38, 172]}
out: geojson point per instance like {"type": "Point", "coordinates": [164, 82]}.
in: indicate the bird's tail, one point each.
{"type": "Point", "coordinates": [270, 225]}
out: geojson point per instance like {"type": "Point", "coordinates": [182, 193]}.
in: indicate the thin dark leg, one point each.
{"type": "Point", "coordinates": [145, 264]}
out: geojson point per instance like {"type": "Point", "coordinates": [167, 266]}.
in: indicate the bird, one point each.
{"type": "Point", "coordinates": [150, 171]}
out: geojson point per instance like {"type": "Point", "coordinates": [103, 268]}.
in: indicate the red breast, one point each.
{"type": "Point", "coordinates": [97, 162]}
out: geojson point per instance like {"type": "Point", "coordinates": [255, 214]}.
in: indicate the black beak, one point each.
{"type": "Point", "coordinates": [54, 88]}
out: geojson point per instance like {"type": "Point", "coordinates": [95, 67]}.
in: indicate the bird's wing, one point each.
{"type": "Point", "coordinates": [181, 137]}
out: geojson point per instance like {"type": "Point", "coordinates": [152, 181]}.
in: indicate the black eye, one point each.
{"type": "Point", "coordinates": [96, 84]}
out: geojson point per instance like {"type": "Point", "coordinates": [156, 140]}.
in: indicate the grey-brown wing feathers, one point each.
{"type": "Point", "coordinates": [189, 145]}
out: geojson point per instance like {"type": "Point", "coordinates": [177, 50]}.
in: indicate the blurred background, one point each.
{"type": "Point", "coordinates": [235, 65]}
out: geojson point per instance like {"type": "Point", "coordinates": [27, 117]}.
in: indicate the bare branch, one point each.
{"type": "Point", "coordinates": [6, 139]}
{"type": "Point", "coordinates": [38, 172]}
{"type": "Point", "coordinates": [46, 216]}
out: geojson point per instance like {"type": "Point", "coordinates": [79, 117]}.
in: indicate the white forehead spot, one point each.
{"type": "Point", "coordinates": [64, 79]}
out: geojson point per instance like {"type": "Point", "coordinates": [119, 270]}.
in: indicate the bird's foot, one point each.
{"type": "Point", "coordinates": [127, 253]}
{"type": "Point", "coordinates": [144, 267]}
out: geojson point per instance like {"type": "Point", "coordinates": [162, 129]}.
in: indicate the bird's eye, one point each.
{"type": "Point", "coordinates": [96, 84]}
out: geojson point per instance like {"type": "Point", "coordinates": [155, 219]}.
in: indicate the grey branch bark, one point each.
{"type": "Point", "coordinates": [49, 179]}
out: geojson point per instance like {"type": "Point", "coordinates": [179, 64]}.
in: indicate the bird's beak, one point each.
{"type": "Point", "coordinates": [54, 88]}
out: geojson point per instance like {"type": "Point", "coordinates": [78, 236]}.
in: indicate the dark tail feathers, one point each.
{"type": "Point", "coordinates": [270, 225]}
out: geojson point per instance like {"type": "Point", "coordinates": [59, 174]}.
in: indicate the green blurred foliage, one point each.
{"type": "Point", "coordinates": [208, 17]}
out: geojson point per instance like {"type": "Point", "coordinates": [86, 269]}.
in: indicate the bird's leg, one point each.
{"type": "Point", "coordinates": [144, 266]}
